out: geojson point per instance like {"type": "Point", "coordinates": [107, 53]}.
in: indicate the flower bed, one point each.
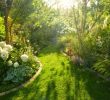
{"type": "Point", "coordinates": [17, 87]}
{"type": "Point", "coordinates": [17, 65]}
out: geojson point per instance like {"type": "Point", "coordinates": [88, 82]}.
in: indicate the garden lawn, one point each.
{"type": "Point", "coordinates": [61, 80]}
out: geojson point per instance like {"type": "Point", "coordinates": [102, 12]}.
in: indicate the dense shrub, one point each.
{"type": "Point", "coordinates": [17, 64]}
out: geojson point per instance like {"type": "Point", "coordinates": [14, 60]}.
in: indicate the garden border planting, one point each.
{"type": "Point", "coordinates": [93, 71]}
{"type": "Point", "coordinates": [98, 74]}
{"type": "Point", "coordinates": [24, 84]}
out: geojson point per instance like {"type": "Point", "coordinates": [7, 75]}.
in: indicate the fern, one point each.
{"type": "Point", "coordinates": [103, 67]}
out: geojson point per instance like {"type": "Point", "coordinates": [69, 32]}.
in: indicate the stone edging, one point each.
{"type": "Point", "coordinates": [24, 84]}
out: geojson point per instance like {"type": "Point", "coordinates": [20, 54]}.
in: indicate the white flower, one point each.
{"type": "Point", "coordinates": [2, 44]}
{"type": "Point", "coordinates": [0, 49]}
{"type": "Point", "coordinates": [16, 64]}
{"type": "Point", "coordinates": [8, 48]}
{"type": "Point", "coordinates": [28, 41]}
{"type": "Point", "coordinates": [4, 54]}
{"type": "Point", "coordinates": [10, 63]}
{"type": "Point", "coordinates": [24, 58]}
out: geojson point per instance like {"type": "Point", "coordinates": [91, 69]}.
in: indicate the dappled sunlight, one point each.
{"type": "Point", "coordinates": [64, 4]}
{"type": "Point", "coordinates": [61, 79]}
{"type": "Point", "coordinates": [55, 49]}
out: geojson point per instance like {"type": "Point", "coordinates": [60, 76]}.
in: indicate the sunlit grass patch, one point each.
{"type": "Point", "coordinates": [61, 80]}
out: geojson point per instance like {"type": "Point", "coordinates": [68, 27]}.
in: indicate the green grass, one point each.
{"type": "Point", "coordinates": [8, 86]}
{"type": "Point", "coordinates": [61, 80]}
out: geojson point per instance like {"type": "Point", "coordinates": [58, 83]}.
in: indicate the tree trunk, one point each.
{"type": "Point", "coordinates": [7, 7]}
{"type": "Point", "coordinates": [7, 36]}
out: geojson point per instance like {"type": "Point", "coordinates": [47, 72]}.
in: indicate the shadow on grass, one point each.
{"type": "Point", "coordinates": [68, 96]}
{"type": "Point", "coordinates": [51, 91]}
{"type": "Point", "coordinates": [63, 81]}
{"type": "Point", "coordinates": [34, 92]}
{"type": "Point", "coordinates": [87, 82]}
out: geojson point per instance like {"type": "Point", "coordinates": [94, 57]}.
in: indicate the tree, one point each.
{"type": "Point", "coordinates": [6, 6]}
{"type": "Point", "coordinates": [17, 13]}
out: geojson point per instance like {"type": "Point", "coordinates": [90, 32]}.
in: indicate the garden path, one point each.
{"type": "Point", "coordinates": [61, 80]}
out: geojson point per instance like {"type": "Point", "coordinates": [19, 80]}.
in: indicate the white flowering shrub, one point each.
{"type": "Point", "coordinates": [2, 44]}
{"type": "Point", "coordinates": [10, 63]}
{"type": "Point", "coordinates": [8, 48]}
{"type": "Point", "coordinates": [24, 58]}
{"type": "Point", "coordinates": [16, 64]}
{"type": "Point", "coordinates": [0, 49]}
{"type": "Point", "coordinates": [4, 54]}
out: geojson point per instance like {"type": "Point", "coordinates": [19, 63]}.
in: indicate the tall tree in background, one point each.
{"type": "Point", "coordinates": [17, 13]}
{"type": "Point", "coordinates": [6, 6]}
{"type": "Point", "coordinates": [20, 13]}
